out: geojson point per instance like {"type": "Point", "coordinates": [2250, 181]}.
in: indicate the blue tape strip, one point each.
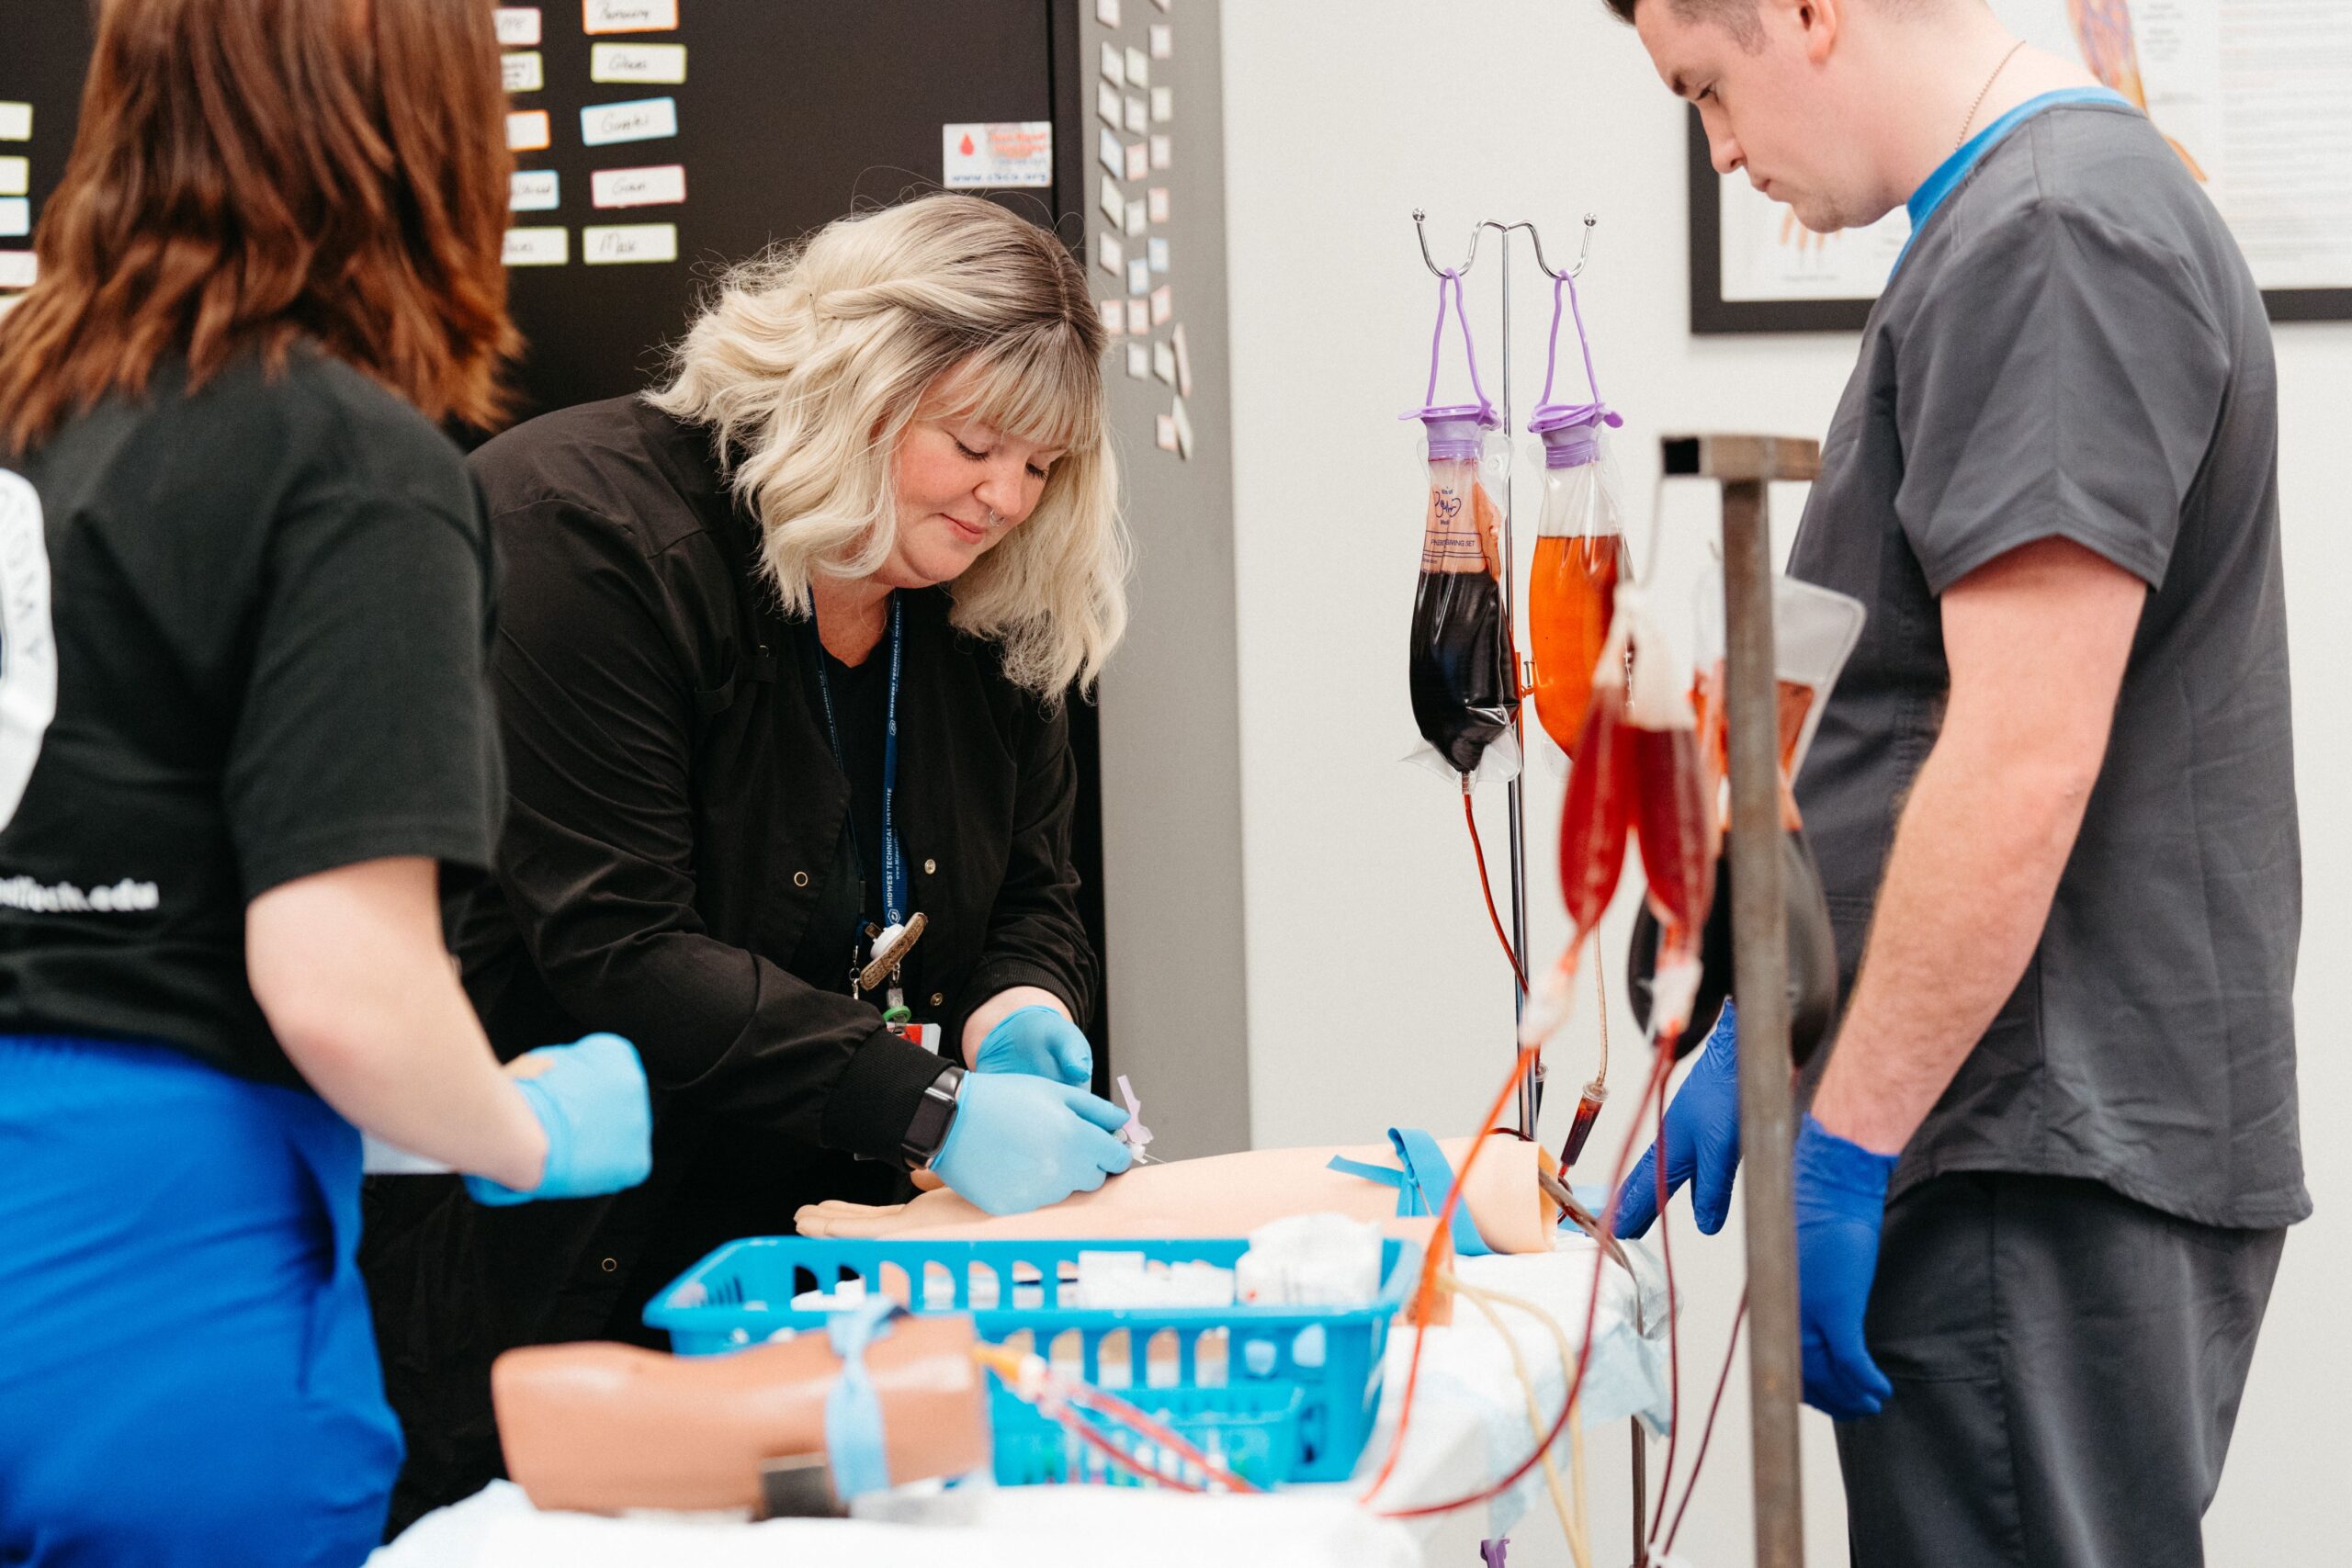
{"type": "Point", "coordinates": [853, 1447]}
{"type": "Point", "coordinates": [1421, 1181]}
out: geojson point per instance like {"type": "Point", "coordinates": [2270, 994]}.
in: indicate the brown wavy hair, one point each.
{"type": "Point", "coordinates": [248, 173]}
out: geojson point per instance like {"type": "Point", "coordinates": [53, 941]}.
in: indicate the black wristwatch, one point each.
{"type": "Point", "coordinates": [926, 1135]}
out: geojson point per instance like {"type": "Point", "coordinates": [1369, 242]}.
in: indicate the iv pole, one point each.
{"type": "Point", "coordinates": [1531, 1088]}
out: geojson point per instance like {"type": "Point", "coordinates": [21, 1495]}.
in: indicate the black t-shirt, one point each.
{"type": "Point", "coordinates": [266, 624]}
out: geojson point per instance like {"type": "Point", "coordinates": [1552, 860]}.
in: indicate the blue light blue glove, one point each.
{"type": "Point", "coordinates": [1020, 1142]}
{"type": "Point", "coordinates": [1840, 1201]}
{"type": "Point", "coordinates": [1701, 1141]}
{"type": "Point", "coordinates": [592, 1102]}
{"type": "Point", "coordinates": [1040, 1041]}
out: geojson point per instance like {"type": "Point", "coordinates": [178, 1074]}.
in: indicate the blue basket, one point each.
{"type": "Point", "coordinates": [1301, 1383]}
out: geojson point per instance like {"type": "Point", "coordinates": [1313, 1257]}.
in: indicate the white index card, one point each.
{"type": "Point", "coordinates": [517, 26]}
{"type": "Point", "coordinates": [638, 119]}
{"type": "Point", "coordinates": [1107, 12]}
{"type": "Point", "coordinates": [1163, 41]}
{"type": "Point", "coordinates": [1138, 67]}
{"type": "Point", "coordinates": [1163, 151]}
{"type": "Point", "coordinates": [664, 63]}
{"type": "Point", "coordinates": [1138, 115]}
{"type": "Point", "coordinates": [16, 176]}
{"type": "Point", "coordinates": [537, 247]}
{"type": "Point", "coordinates": [662, 184]}
{"type": "Point", "coordinates": [534, 190]}
{"type": "Point", "coordinates": [604, 244]}
{"type": "Point", "coordinates": [16, 217]}
{"type": "Point", "coordinates": [16, 121]}
{"type": "Point", "coordinates": [1111, 151]}
{"type": "Point", "coordinates": [1113, 65]}
{"type": "Point", "coordinates": [1163, 104]}
{"type": "Point", "coordinates": [18, 269]}
{"type": "Point", "coordinates": [1140, 361]}
{"type": "Point", "coordinates": [524, 71]}
{"type": "Point", "coordinates": [1110, 255]}
{"type": "Point", "coordinates": [628, 16]}
{"type": "Point", "coordinates": [1157, 200]}
{"type": "Point", "coordinates": [527, 130]}
{"type": "Point", "coordinates": [1107, 107]}
{"type": "Point", "coordinates": [1114, 203]}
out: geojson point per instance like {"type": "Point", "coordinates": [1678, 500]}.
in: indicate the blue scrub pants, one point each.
{"type": "Point", "coordinates": [188, 1375]}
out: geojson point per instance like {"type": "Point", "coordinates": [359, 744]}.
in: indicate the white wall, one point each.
{"type": "Point", "coordinates": [1375, 992]}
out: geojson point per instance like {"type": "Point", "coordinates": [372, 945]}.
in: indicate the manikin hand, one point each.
{"type": "Point", "coordinates": [1701, 1141]}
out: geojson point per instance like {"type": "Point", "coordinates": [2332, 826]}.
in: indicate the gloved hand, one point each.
{"type": "Point", "coordinates": [1840, 1201]}
{"type": "Point", "coordinates": [1020, 1142]}
{"type": "Point", "coordinates": [592, 1100]}
{"type": "Point", "coordinates": [1701, 1140]}
{"type": "Point", "coordinates": [1038, 1041]}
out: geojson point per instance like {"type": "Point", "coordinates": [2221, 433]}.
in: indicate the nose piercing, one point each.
{"type": "Point", "coordinates": [993, 517]}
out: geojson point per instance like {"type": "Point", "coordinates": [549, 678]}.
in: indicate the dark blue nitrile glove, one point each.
{"type": "Point", "coordinates": [1039, 1041]}
{"type": "Point", "coordinates": [592, 1102]}
{"type": "Point", "coordinates": [1701, 1140]}
{"type": "Point", "coordinates": [1020, 1142]}
{"type": "Point", "coordinates": [1840, 1201]}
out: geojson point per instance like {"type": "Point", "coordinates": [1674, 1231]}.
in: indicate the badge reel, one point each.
{"type": "Point", "coordinates": [890, 947]}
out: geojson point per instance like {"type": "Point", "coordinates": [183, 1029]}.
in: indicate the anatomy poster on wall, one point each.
{"type": "Point", "coordinates": [2249, 93]}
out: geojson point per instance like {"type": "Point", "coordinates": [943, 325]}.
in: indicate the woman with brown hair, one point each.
{"type": "Point", "coordinates": [243, 731]}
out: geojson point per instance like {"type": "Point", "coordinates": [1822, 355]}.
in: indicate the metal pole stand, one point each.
{"type": "Point", "coordinates": [1744, 464]}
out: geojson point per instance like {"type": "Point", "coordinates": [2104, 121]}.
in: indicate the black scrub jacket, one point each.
{"type": "Point", "coordinates": [676, 822]}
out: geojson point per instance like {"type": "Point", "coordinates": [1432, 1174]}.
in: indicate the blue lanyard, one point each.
{"type": "Point", "coordinates": [894, 866]}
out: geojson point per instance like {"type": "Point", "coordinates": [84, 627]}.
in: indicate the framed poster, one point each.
{"type": "Point", "coordinates": [2250, 93]}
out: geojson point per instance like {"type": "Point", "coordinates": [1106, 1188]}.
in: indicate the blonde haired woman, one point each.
{"type": "Point", "coordinates": [782, 656]}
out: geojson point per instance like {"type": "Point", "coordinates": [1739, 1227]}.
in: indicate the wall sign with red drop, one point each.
{"type": "Point", "coordinates": [995, 154]}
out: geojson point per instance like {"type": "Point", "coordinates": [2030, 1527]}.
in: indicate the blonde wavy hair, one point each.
{"type": "Point", "coordinates": [809, 366]}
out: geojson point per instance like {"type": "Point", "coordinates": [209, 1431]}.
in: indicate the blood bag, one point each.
{"type": "Point", "coordinates": [1461, 669]}
{"type": "Point", "coordinates": [1636, 775]}
{"type": "Point", "coordinates": [1813, 631]}
{"type": "Point", "coordinates": [1580, 555]}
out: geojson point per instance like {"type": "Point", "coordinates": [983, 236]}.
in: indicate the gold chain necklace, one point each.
{"type": "Point", "coordinates": [1982, 90]}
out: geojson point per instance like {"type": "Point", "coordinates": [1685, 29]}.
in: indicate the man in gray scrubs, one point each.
{"type": "Point", "coordinates": [2055, 1149]}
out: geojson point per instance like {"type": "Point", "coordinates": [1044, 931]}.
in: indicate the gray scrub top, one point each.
{"type": "Point", "coordinates": [2073, 347]}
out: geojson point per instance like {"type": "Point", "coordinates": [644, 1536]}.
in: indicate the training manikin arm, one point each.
{"type": "Point", "coordinates": [1225, 1195]}
{"type": "Point", "coordinates": [602, 1427]}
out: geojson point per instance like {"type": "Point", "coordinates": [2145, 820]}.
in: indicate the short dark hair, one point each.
{"type": "Point", "coordinates": [1738, 17]}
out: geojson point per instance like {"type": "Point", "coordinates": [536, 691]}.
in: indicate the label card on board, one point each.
{"type": "Point", "coordinates": [663, 63]}
{"type": "Point", "coordinates": [16, 122]}
{"type": "Point", "coordinates": [997, 154]}
{"type": "Point", "coordinates": [537, 247]}
{"type": "Point", "coordinates": [639, 120]}
{"type": "Point", "coordinates": [522, 73]}
{"type": "Point", "coordinates": [602, 245]}
{"type": "Point", "coordinates": [658, 186]}
{"type": "Point", "coordinates": [16, 175]}
{"type": "Point", "coordinates": [518, 26]}
{"type": "Point", "coordinates": [628, 16]}
{"type": "Point", "coordinates": [527, 130]}
{"type": "Point", "coordinates": [532, 190]}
